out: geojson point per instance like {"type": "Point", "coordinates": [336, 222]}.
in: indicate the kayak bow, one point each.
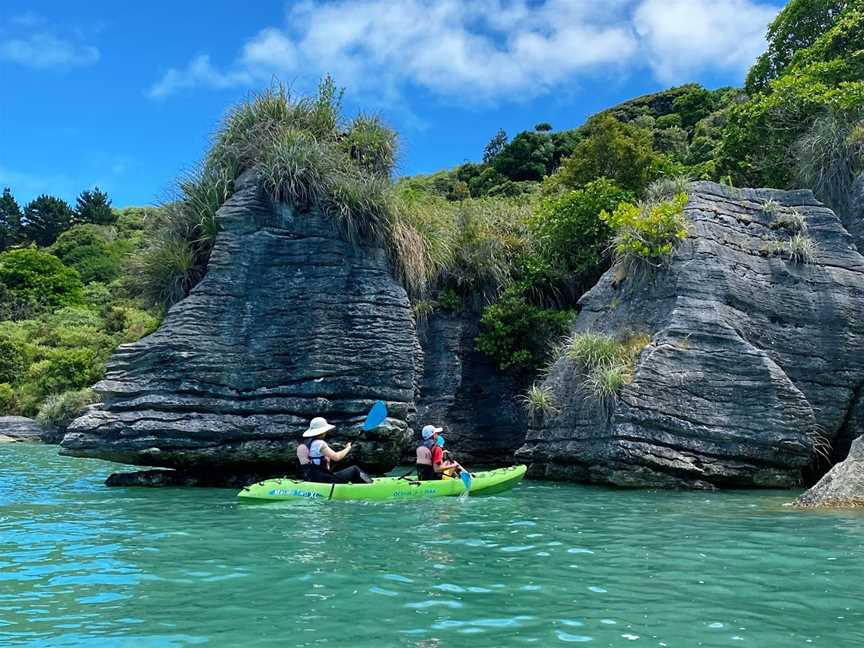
{"type": "Point", "coordinates": [382, 489]}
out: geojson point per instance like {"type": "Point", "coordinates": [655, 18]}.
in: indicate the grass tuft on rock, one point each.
{"type": "Point", "coordinates": [607, 363]}
{"type": "Point", "coordinates": [539, 401]}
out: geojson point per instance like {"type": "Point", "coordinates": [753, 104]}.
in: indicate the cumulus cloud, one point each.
{"type": "Point", "coordinates": [683, 37]}
{"type": "Point", "coordinates": [47, 50]}
{"type": "Point", "coordinates": [486, 49]}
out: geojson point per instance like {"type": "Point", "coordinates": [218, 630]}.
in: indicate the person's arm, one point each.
{"type": "Point", "coordinates": [438, 463]}
{"type": "Point", "coordinates": [332, 455]}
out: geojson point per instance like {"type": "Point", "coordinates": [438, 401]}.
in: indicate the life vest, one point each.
{"type": "Point", "coordinates": [318, 463]}
{"type": "Point", "coordinates": [426, 472]}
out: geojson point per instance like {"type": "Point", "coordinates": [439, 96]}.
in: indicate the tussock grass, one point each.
{"type": "Point", "coordinates": [798, 248]}
{"type": "Point", "coordinates": [828, 157]}
{"type": "Point", "coordinates": [791, 221]}
{"type": "Point", "coordinates": [61, 409]}
{"type": "Point", "coordinates": [607, 363]}
{"type": "Point", "coordinates": [539, 401]}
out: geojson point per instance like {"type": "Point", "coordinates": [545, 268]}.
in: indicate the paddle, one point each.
{"type": "Point", "coordinates": [464, 475]}
{"type": "Point", "coordinates": [376, 416]}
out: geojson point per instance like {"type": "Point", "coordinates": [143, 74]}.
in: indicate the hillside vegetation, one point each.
{"type": "Point", "coordinates": [516, 238]}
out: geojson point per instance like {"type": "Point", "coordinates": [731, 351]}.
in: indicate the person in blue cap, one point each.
{"type": "Point", "coordinates": [430, 455]}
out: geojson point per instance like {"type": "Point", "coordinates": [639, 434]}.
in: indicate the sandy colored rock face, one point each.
{"type": "Point", "coordinates": [290, 322]}
{"type": "Point", "coordinates": [842, 486]}
{"type": "Point", "coordinates": [752, 358]}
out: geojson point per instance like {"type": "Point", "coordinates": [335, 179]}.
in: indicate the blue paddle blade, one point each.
{"type": "Point", "coordinates": [440, 441]}
{"type": "Point", "coordinates": [466, 479]}
{"type": "Point", "coordinates": [375, 417]}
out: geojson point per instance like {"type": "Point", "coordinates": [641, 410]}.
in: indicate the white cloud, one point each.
{"type": "Point", "coordinates": [198, 72]}
{"type": "Point", "coordinates": [46, 50]}
{"type": "Point", "coordinates": [683, 37]}
{"type": "Point", "coordinates": [486, 49]}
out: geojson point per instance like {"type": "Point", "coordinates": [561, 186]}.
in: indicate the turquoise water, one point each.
{"type": "Point", "coordinates": [545, 565]}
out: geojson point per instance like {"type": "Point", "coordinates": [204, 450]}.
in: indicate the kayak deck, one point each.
{"type": "Point", "coordinates": [487, 482]}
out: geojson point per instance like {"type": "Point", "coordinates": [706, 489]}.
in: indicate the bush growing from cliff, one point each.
{"type": "Point", "coordinates": [647, 234]}
{"type": "Point", "coordinates": [517, 334]}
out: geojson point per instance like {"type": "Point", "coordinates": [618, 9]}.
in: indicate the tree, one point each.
{"type": "Point", "coordinates": [543, 127]}
{"type": "Point", "coordinates": [10, 220]}
{"type": "Point", "coordinates": [45, 218]}
{"type": "Point", "coordinates": [528, 157]}
{"type": "Point", "coordinates": [94, 207]}
{"type": "Point", "coordinates": [797, 27]}
{"type": "Point", "coordinates": [495, 146]}
{"type": "Point", "coordinates": [615, 150]}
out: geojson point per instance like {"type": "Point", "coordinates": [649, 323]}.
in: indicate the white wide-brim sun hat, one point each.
{"type": "Point", "coordinates": [317, 427]}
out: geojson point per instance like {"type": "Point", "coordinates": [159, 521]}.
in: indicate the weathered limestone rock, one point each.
{"type": "Point", "coordinates": [755, 363]}
{"type": "Point", "coordinates": [843, 485]}
{"type": "Point", "coordinates": [20, 429]}
{"type": "Point", "coordinates": [290, 322]}
{"type": "Point", "coordinates": [463, 390]}
{"type": "Point", "coordinates": [854, 220]}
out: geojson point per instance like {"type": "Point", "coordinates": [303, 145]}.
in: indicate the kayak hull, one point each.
{"type": "Point", "coordinates": [385, 489]}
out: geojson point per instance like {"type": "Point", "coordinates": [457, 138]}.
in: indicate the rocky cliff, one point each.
{"type": "Point", "coordinates": [755, 363]}
{"type": "Point", "coordinates": [463, 390]}
{"type": "Point", "coordinates": [290, 322]}
{"type": "Point", "coordinates": [842, 486]}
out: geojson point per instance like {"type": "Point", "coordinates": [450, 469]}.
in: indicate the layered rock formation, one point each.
{"type": "Point", "coordinates": [854, 220]}
{"type": "Point", "coordinates": [21, 429]}
{"type": "Point", "coordinates": [290, 322]}
{"type": "Point", "coordinates": [465, 392]}
{"type": "Point", "coordinates": [843, 485]}
{"type": "Point", "coordinates": [754, 365]}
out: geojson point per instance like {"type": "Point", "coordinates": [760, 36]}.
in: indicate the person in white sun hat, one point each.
{"type": "Point", "coordinates": [316, 457]}
{"type": "Point", "coordinates": [430, 455]}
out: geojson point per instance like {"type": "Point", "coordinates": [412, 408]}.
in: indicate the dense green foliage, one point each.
{"type": "Point", "coordinates": [647, 233]}
{"type": "Point", "coordinates": [807, 73]}
{"type": "Point", "coordinates": [33, 281]}
{"type": "Point", "coordinates": [88, 249]}
{"type": "Point", "coordinates": [10, 220]}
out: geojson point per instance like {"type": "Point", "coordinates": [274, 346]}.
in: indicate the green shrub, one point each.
{"type": "Point", "coordinates": [12, 359]}
{"type": "Point", "coordinates": [63, 370]}
{"type": "Point", "coordinates": [568, 233]}
{"type": "Point", "coordinates": [371, 145]}
{"type": "Point", "coordinates": [529, 156]}
{"type": "Point", "coordinates": [59, 410]}
{"type": "Point", "coordinates": [647, 234]}
{"type": "Point", "coordinates": [8, 400]}
{"type": "Point", "coordinates": [97, 294]}
{"type": "Point", "coordinates": [798, 248]}
{"type": "Point", "coordinates": [516, 334]}
{"type": "Point", "coordinates": [667, 188]}
{"type": "Point", "coordinates": [38, 281]}
{"type": "Point", "coordinates": [671, 120]}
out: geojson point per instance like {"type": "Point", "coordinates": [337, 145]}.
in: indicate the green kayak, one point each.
{"type": "Point", "coordinates": [385, 488]}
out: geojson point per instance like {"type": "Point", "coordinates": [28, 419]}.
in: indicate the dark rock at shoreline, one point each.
{"type": "Point", "coordinates": [175, 478]}
{"type": "Point", "coordinates": [14, 429]}
{"type": "Point", "coordinates": [290, 322]}
{"type": "Point", "coordinates": [842, 486]}
{"type": "Point", "coordinates": [463, 390]}
{"type": "Point", "coordinates": [754, 365]}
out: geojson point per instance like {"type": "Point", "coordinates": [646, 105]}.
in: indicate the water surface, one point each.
{"type": "Point", "coordinates": [545, 565]}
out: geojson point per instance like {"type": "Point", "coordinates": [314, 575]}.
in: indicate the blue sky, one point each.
{"type": "Point", "coordinates": [125, 95]}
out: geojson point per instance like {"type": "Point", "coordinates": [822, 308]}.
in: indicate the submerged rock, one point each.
{"type": "Point", "coordinates": [843, 485]}
{"type": "Point", "coordinates": [15, 429]}
{"type": "Point", "coordinates": [754, 365]}
{"type": "Point", "coordinates": [463, 390]}
{"type": "Point", "coordinates": [290, 322]}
